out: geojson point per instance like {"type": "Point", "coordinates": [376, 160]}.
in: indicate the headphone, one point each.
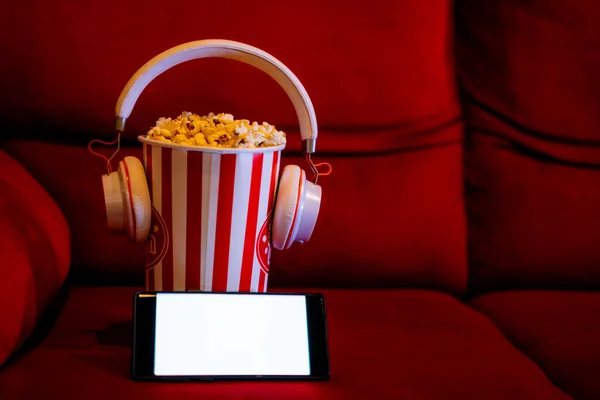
{"type": "Point", "coordinates": [297, 199]}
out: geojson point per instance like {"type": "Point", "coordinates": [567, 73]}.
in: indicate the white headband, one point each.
{"type": "Point", "coordinates": [223, 49]}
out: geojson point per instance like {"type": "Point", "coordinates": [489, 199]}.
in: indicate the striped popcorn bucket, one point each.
{"type": "Point", "coordinates": [211, 217]}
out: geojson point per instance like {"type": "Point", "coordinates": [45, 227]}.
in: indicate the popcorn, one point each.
{"type": "Point", "coordinates": [211, 130]}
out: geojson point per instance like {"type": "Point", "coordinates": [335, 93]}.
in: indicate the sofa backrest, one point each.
{"type": "Point", "coordinates": [381, 78]}
{"type": "Point", "coordinates": [529, 73]}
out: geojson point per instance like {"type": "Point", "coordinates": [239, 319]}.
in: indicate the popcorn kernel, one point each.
{"type": "Point", "coordinates": [220, 130]}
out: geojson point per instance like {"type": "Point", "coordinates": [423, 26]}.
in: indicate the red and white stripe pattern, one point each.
{"type": "Point", "coordinates": [213, 207]}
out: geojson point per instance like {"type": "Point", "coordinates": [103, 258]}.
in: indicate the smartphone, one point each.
{"type": "Point", "coordinates": [207, 336]}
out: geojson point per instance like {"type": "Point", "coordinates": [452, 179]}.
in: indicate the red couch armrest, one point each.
{"type": "Point", "coordinates": [35, 253]}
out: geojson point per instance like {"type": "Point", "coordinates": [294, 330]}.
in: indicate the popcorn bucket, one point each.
{"type": "Point", "coordinates": [211, 214]}
{"type": "Point", "coordinates": [206, 212]}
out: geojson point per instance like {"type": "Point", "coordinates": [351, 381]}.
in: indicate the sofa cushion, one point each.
{"type": "Point", "coordinates": [389, 79]}
{"type": "Point", "coordinates": [387, 220]}
{"type": "Point", "coordinates": [383, 344]}
{"type": "Point", "coordinates": [560, 331]}
{"type": "Point", "coordinates": [533, 223]}
{"type": "Point", "coordinates": [530, 88]}
{"type": "Point", "coordinates": [34, 253]}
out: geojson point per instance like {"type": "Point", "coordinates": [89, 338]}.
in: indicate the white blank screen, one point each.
{"type": "Point", "coordinates": [225, 334]}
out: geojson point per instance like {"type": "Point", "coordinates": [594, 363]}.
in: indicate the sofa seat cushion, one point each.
{"type": "Point", "coordinates": [560, 331]}
{"type": "Point", "coordinates": [35, 252]}
{"type": "Point", "coordinates": [383, 344]}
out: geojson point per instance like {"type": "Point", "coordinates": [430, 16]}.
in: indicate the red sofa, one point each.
{"type": "Point", "coordinates": [457, 245]}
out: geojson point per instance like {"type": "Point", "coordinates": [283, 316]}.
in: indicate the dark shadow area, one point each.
{"type": "Point", "coordinates": [115, 334]}
{"type": "Point", "coordinates": [83, 276]}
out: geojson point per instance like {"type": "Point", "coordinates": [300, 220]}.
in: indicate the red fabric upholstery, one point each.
{"type": "Point", "coordinates": [102, 46]}
{"type": "Point", "coordinates": [383, 344]}
{"type": "Point", "coordinates": [531, 87]}
{"type": "Point", "coordinates": [430, 239]}
{"type": "Point", "coordinates": [382, 79]}
{"type": "Point", "coordinates": [34, 251]}
{"type": "Point", "coordinates": [403, 107]}
{"type": "Point", "coordinates": [560, 331]}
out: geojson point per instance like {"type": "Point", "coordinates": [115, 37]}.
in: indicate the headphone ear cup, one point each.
{"type": "Point", "coordinates": [296, 209]}
{"type": "Point", "coordinates": [311, 204]}
{"type": "Point", "coordinates": [127, 200]}
{"type": "Point", "coordinates": [286, 206]}
{"type": "Point", "coordinates": [137, 199]}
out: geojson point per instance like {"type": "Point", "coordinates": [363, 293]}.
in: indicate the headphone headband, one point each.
{"type": "Point", "coordinates": [223, 49]}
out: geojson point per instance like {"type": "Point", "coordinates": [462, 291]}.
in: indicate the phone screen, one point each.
{"type": "Point", "coordinates": [219, 334]}
{"type": "Point", "coordinates": [229, 335]}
